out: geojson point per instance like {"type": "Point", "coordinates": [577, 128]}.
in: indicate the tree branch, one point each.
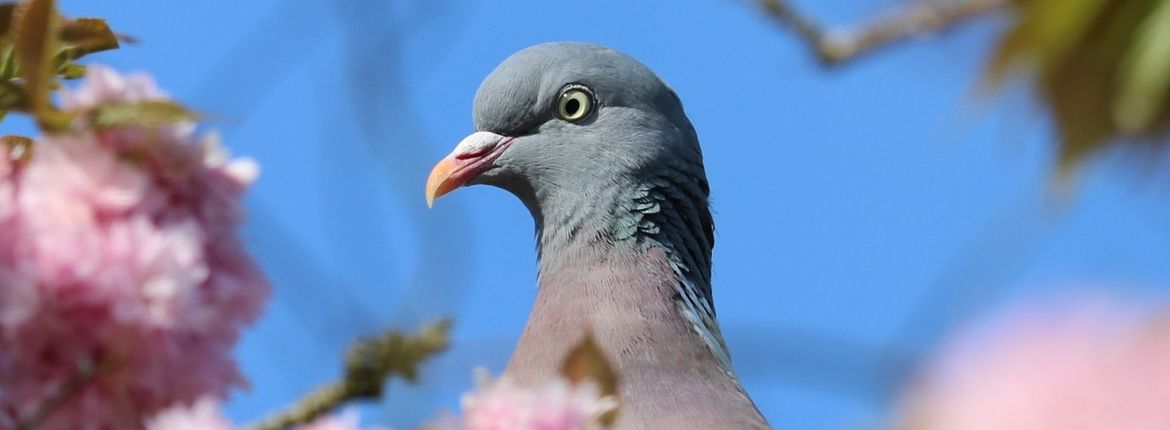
{"type": "Point", "coordinates": [367, 365]}
{"type": "Point", "coordinates": [833, 47]}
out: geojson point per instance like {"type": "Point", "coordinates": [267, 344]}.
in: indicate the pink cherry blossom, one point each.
{"type": "Point", "coordinates": [1087, 364]}
{"type": "Point", "coordinates": [346, 420]}
{"type": "Point", "coordinates": [205, 414]}
{"type": "Point", "coordinates": [119, 252]}
{"type": "Point", "coordinates": [557, 405]}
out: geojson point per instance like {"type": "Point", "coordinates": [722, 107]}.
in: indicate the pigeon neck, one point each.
{"type": "Point", "coordinates": [628, 296]}
{"type": "Point", "coordinates": [668, 210]}
{"type": "Point", "coordinates": [665, 213]}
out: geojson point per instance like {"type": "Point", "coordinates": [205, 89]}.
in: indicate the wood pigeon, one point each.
{"type": "Point", "coordinates": [600, 151]}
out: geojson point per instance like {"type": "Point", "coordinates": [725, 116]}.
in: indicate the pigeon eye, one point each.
{"type": "Point", "coordinates": [575, 104]}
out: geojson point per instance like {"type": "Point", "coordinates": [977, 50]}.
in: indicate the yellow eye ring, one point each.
{"type": "Point", "coordinates": [574, 105]}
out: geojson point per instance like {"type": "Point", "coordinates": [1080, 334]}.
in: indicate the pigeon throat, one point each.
{"type": "Point", "coordinates": [656, 215]}
{"type": "Point", "coordinates": [660, 210]}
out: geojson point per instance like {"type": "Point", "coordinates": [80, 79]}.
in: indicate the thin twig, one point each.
{"type": "Point", "coordinates": [86, 372]}
{"type": "Point", "coordinates": [367, 365]}
{"type": "Point", "coordinates": [835, 46]}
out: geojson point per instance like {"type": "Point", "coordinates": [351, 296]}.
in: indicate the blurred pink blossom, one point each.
{"type": "Point", "coordinates": [502, 405]}
{"type": "Point", "coordinates": [346, 420]}
{"type": "Point", "coordinates": [1088, 364]}
{"type": "Point", "coordinates": [118, 251]}
{"type": "Point", "coordinates": [205, 414]}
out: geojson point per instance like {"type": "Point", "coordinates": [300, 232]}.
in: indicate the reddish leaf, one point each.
{"type": "Point", "coordinates": [7, 12]}
{"type": "Point", "coordinates": [586, 361]}
{"type": "Point", "coordinates": [35, 31]}
{"type": "Point", "coordinates": [87, 35]}
{"type": "Point", "coordinates": [16, 148]}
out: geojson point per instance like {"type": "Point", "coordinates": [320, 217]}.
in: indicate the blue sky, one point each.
{"type": "Point", "coordinates": [860, 212]}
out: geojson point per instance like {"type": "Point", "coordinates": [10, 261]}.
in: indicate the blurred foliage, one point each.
{"type": "Point", "coordinates": [39, 48]}
{"type": "Point", "coordinates": [148, 113]}
{"type": "Point", "coordinates": [1101, 66]}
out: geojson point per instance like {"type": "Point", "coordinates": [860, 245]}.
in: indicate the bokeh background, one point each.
{"type": "Point", "coordinates": [862, 213]}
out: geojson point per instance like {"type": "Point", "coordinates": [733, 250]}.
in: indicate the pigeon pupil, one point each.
{"type": "Point", "coordinates": [572, 106]}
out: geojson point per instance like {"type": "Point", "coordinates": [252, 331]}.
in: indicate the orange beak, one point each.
{"type": "Point", "coordinates": [440, 182]}
{"type": "Point", "coordinates": [474, 154]}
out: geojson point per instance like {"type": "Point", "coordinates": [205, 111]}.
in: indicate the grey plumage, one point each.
{"type": "Point", "coordinates": [624, 232]}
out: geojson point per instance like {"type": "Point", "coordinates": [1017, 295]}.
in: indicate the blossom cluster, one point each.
{"type": "Point", "coordinates": [205, 414]}
{"type": "Point", "coordinates": [123, 283]}
{"type": "Point", "coordinates": [493, 405]}
{"type": "Point", "coordinates": [1080, 364]}
{"type": "Point", "coordinates": [557, 405]}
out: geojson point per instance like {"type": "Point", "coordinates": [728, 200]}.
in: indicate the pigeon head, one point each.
{"type": "Point", "coordinates": [600, 151]}
{"type": "Point", "coordinates": [589, 139]}
{"type": "Point", "coordinates": [564, 119]}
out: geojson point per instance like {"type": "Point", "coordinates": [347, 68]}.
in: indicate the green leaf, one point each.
{"type": "Point", "coordinates": [145, 113]}
{"type": "Point", "coordinates": [1045, 32]}
{"type": "Point", "coordinates": [12, 97]}
{"type": "Point", "coordinates": [8, 69]}
{"type": "Point", "coordinates": [1145, 77]}
{"type": "Point", "coordinates": [1099, 66]}
{"type": "Point", "coordinates": [38, 48]}
{"type": "Point", "coordinates": [71, 71]}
